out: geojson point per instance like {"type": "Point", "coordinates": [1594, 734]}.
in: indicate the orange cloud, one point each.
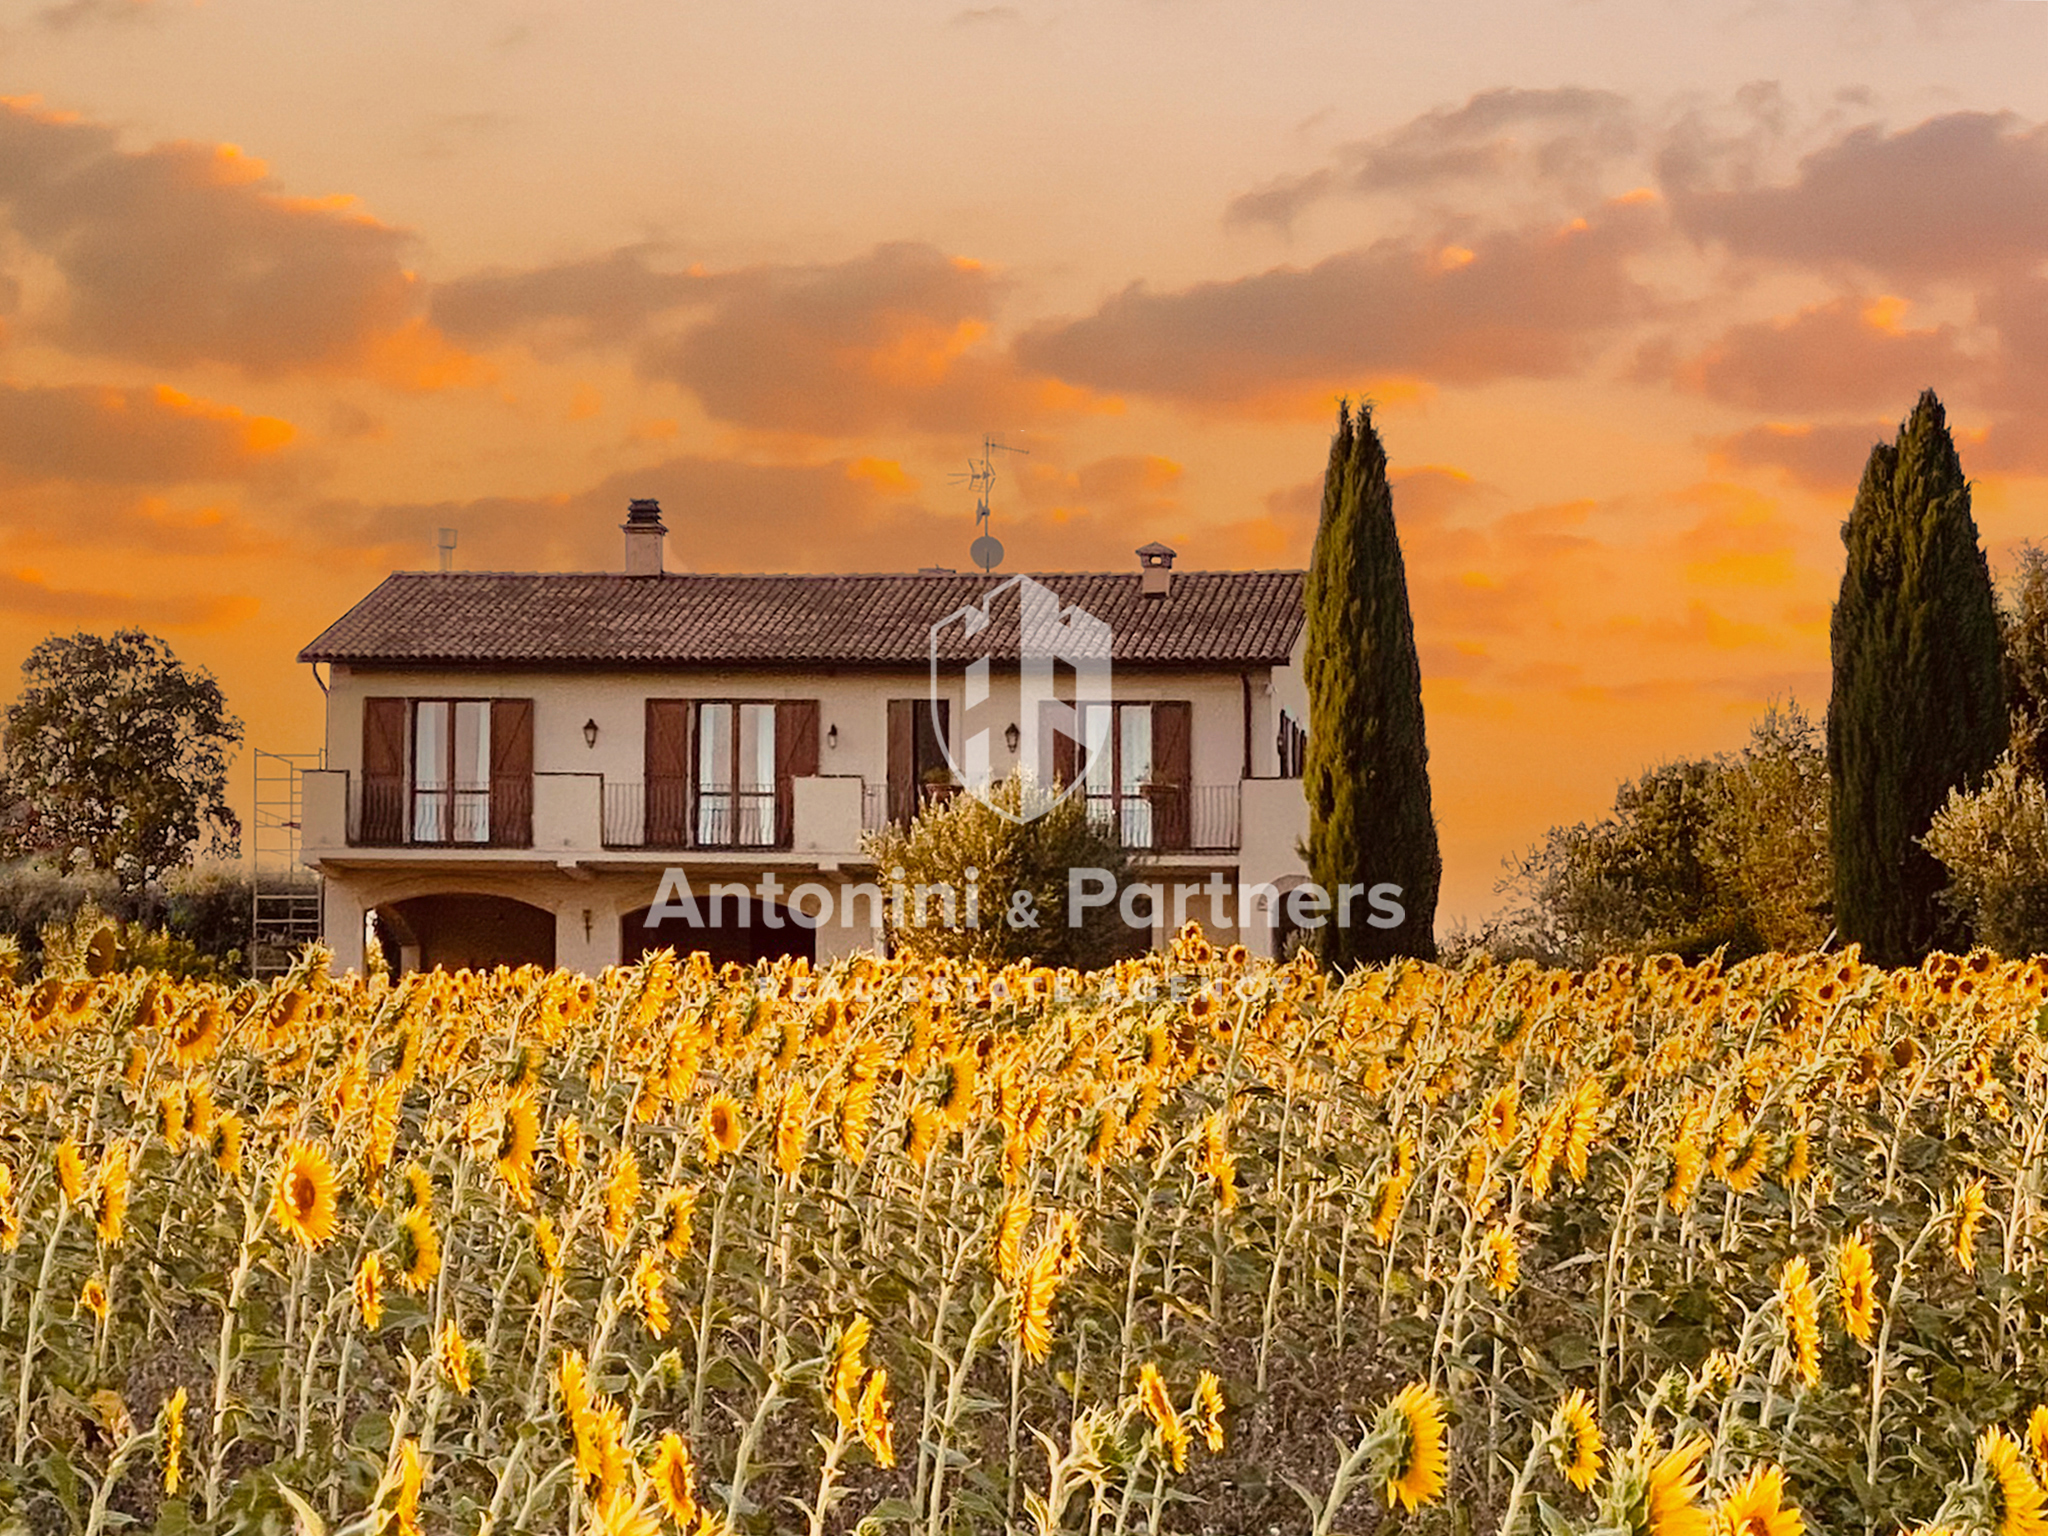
{"type": "Point", "coordinates": [898, 338]}
{"type": "Point", "coordinates": [1846, 354]}
{"type": "Point", "coordinates": [187, 253]}
{"type": "Point", "coordinates": [130, 436]}
{"type": "Point", "coordinates": [1532, 302]}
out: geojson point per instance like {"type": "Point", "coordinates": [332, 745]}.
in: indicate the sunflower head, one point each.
{"type": "Point", "coordinates": [303, 1199]}
{"type": "Point", "coordinates": [1856, 1277]}
{"type": "Point", "coordinates": [1756, 1507]}
{"type": "Point", "coordinates": [673, 1475]}
{"type": "Point", "coordinates": [1412, 1461]}
{"type": "Point", "coordinates": [1575, 1441]}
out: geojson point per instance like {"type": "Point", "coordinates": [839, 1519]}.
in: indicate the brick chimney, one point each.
{"type": "Point", "coordinates": [1155, 561]}
{"type": "Point", "coordinates": [644, 533]}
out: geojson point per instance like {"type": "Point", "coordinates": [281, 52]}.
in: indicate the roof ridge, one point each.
{"type": "Point", "coordinates": [1270, 570]}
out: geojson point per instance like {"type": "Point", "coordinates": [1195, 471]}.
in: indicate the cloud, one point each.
{"type": "Point", "coordinates": [898, 337]}
{"type": "Point", "coordinates": [78, 13]}
{"type": "Point", "coordinates": [1959, 196]}
{"type": "Point", "coordinates": [598, 300]}
{"type": "Point", "coordinates": [130, 436]}
{"type": "Point", "coordinates": [1522, 303]}
{"type": "Point", "coordinates": [28, 594]}
{"type": "Point", "coordinates": [1826, 457]}
{"type": "Point", "coordinates": [186, 253]}
{"type": "Point", "coordinates": [1564, 138]}
{"type": "Point", "coordinates": [1846, 354]}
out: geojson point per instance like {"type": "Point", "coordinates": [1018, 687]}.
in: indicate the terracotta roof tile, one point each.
{"type": "Point", "coordinates": [1212, 618]}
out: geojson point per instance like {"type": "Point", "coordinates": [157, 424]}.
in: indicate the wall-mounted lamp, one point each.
{"type": "Point", "coordinates": [1010, 736]}
{"type": "Point", "coordinates": [832, 738]}
{"type": "Point", "coordinates": [586, 925]}
{"type": "Point", "coordinates": [590, 733]}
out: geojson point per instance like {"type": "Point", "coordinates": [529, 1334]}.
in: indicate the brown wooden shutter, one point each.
{"type": "Point", "coordinates": [796, 757]}
{"type": "Point", "coordinates": [902, 760]}
{"type": "Point", "coordinates": [1066, 751]}
{"type": "Point", "coordinates": [1172, 771]}
{"type": "Point", "coordinates": [668, 773]}
{"type": "Point", "coordinates": [383, 804]}
{"type": "Point", "coordinates": [512, 773]}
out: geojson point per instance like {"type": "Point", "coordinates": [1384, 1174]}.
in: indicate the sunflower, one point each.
{"type": "Point", "coordinates": [848, 1362]}
{"type": "Point", "coordinates": [619, 1513]}
{"type": "Point", "coordinates": [1413, 1463]}
{"type": "Point", "coordinates": [92, 1297]}
{"type": "Point", "coordinates": [518, 1136]}
{"type": "Point", "coordinates": [419, 1187]}
{"type": "Point", "coordinates": [1158, 1407]}
{"type": "Point", "coordinates": [1969, 1212]}
{"type": "Point", "coordinates": [1501, 1116]}
{"type": "Point", "coordinates": [451, 1353]}
{"type": "Point", "coordinates": [1672, 1490]}
{"type": "Point", "coordinates": [1688, 1163]}
{"type": "Point", "coordinates": [70, 1171]}
{"type": "Point", "coordinates": [1575, 1441]}
{"type": "Point", "coordinates": [1503, 1261]}
{"type": "Point", "coordinates": [1011, 1225]}
{"type": "Point", "coordinates": [1801, 1304]}
{"type": "Point", "coordinates": [380, 1140]}
{"type": "Point", "coordinates": [2037, 1434]}
{"type": "Point", "coordinates": [650, 1299]}
{"type": "Point", "coordinates": [170, 1110]}
{"type": "Point", "coordinates": [2019, 1497]}
{"type": "Point", "coordinates": [368, 1286]}
{"type": "Point", "coordinates": [1035, 1289]}
{"type": "Point", "coordinates": [674, 1478]}
{"type": "Point", "coordinates": [419, 1250]}
{"type": "Point", "coordinates": [1386, 1210]}
{"type": "Point", "coordinates": [722, 1129]}
{"type": "Point", "coordinates": [1856, 1277]}
{"type": "Point", "coordinates": [10, 1217]}
{"type": "Point", "coordinates": [872, 1414]}
{"type": "Point", "coordinates": [302, 1201]}
{"type": "Point", "coordinates": [174, 1441]}
{"type": "Point", "coordinates": [1207, 1410]}
{"type": "Point", "coordinates": [226, 1144]}
{"type": "Point", "coordinates": [110, 1193]}
{"type": "Point", "coordinates": [569, 1142]}
{"type": "Point", "coordinates": [195, 1034]}
{"type": "Point", "coordinates": [920, 1133]}
{"type": "Point", "coordinates": [791, 1128]}
{"type": "Point", "coordinates": [621, 1195]}
{"type": "Point", "coordinates": [956, 1102]}
{"type": "Point", "coordinates": [548, 1243]}
{"type": "Point", "coordinates": [1756, 1507]}
{"type": "Point", "coordinates": [412, 1473]}
{"type": "Point", "coordinates": [674, 1215]}
{"type": "Point", "coordinates": [1581, 1126]}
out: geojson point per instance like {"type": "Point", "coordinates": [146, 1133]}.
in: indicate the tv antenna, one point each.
{"type": "Point", "coordinates": [447, 543]}
{"type": "Point", "coordinates": [987, 550]}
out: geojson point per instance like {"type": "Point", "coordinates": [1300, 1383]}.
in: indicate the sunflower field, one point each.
{"type": "Point", "coordinates": [1201, 1244]}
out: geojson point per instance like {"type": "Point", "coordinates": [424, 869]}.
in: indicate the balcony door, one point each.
{"type": "Point", "coordinates": [749, 757]}
{"type": "Point", "coordinates": [918, 731]}
{"type": "Point", "coordinates": [456, 771]}
{"type": "Point", "coordinates": [1138, 783]}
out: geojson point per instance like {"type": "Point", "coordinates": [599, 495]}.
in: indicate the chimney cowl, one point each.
{"type": "Point", "coordinates": [645, 533]}
{"type": "Point", "coordinates": [1155, 566]}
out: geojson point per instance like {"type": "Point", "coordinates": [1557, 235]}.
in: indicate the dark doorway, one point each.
{"type": "Point", "coordinates": [735, 929]}
{"type": "Point", "coordinates": [463, 931]}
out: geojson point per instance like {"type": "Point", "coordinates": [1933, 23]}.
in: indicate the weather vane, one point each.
{"type": "Point", "coordinates": [987, 550]}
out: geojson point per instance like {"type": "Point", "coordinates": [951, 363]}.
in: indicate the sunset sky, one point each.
{"type": "Point", "coordinates": [1634, 284]}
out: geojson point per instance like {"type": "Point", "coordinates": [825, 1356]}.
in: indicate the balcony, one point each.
{"type": "Point", "coordinates": [387, 815]}
{"type": "Point", "coordinates": [678, 815]}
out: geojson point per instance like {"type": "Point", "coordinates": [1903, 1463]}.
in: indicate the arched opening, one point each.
{"type": "Point", "coordinates": [460, 930]}
{"type": "Point", "coordinates": [742, 930]}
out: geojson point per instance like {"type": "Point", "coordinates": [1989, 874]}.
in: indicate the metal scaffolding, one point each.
{"type": "Point", "coordinates": [285, 905]}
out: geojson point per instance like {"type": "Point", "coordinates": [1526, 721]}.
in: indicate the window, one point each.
{"type": "Point", "coordinates": [451, 771]}
{"type": "Point", "coordinates": [1293, 747]}
{"type": "Point", "coordinates": [736, 775]}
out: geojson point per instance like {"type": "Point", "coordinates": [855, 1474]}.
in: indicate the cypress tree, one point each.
{"type": "Point", "coordinates": [1919, 699]}
{"type": "Point", "coordinates": [1367, 769]}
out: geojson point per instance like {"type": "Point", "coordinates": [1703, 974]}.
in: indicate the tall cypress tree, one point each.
{"type": "Point", "coordinates": [1367, 770]}
{"type": "Point", "coordinates": [1919, 699]}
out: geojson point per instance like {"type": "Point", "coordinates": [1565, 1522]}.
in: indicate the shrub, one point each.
{"type": "Point", "coordinates": [1995, 845]}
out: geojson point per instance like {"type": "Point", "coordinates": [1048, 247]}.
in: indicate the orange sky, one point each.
{"type": "Point", "coordinates": [284, 287]}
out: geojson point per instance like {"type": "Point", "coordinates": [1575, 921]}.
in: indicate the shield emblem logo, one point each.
{"type": "Point", "coordinates": [1021, 657]}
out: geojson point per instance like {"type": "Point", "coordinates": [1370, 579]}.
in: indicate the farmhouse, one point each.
{"type": "Point", "coordinates": [517, 763]}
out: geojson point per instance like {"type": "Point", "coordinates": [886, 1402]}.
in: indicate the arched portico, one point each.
{"type": "Point", "coordinates": [465, 930]}
{"type": "Point", "coordinates": [742, 930]}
